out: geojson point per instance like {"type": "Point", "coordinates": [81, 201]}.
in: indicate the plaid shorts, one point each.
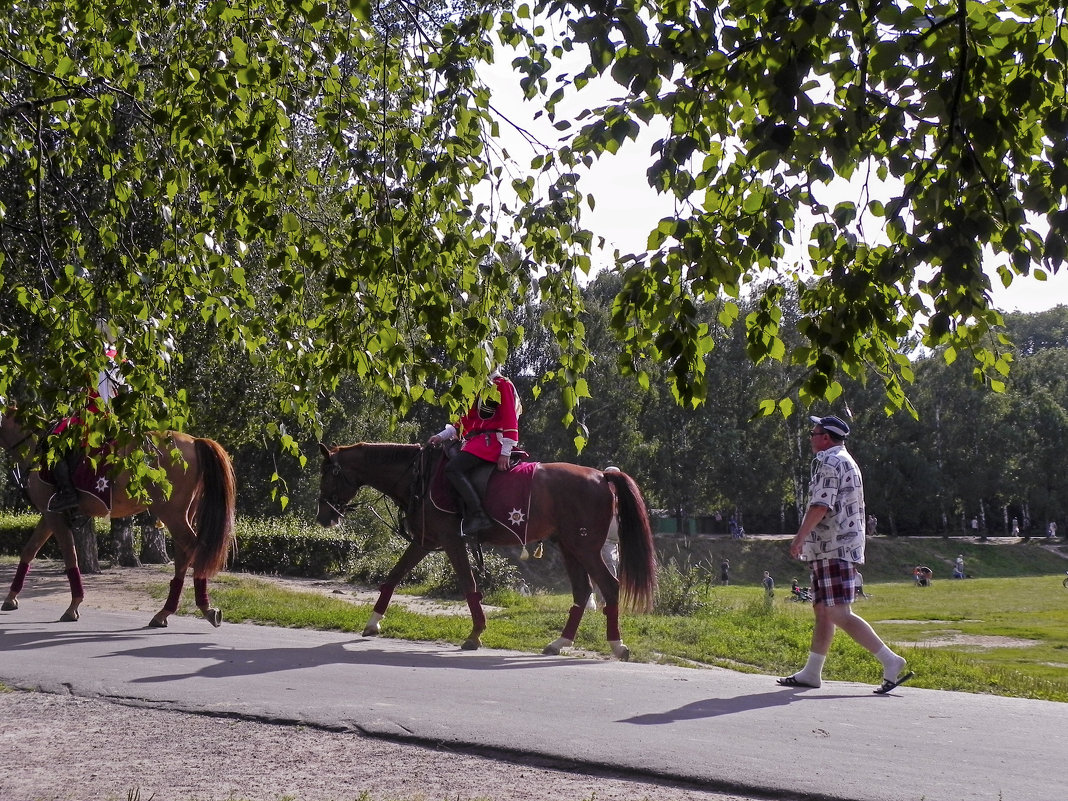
{"type": "Point", "coordinates": [834, 582]}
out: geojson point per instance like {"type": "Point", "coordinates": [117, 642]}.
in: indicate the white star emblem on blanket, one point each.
{"type": "Point", "coordinates": [516, 517]}
{"type": "Point", "coordinates": [101, 484]}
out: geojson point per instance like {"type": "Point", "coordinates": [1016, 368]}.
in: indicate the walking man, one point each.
{"type": "Point", "coordinates": [831, 539]}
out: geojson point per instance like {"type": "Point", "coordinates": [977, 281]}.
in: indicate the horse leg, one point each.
{"type": "Point", "coordinates": [456, 550]}
{"type": "Point", "coordinates": [608, 584]}
{"type": "Point", "coordinates": [413, 555]}
{"type": "Point", "coordinates": [182, 558]}
{"type": "Point", "coordinates": [200, 592]}
{"type": "Point", "coordinates": [74, 573]}
{"type": "Point", "coordinates": [33, 546]}
{"type": "Point", "coordinates": [581, 590]}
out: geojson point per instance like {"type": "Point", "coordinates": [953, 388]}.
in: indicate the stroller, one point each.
{"type": "Point", "coordinates": [799, 594]}
{"type": "Point", "coordinates": [923, 576]}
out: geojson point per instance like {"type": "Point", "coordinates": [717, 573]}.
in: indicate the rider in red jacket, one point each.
{"type": "Point", "coordinates": [489, 431]}
{"type": "Point", "coordinates": [108, 384]}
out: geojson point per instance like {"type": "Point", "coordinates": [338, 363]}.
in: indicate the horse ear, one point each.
{"type": "Point", "coordinates": [326, 452]}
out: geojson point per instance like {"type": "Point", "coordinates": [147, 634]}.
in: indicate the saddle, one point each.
{"type": "Point", "coordinates": [505, 495]}
{"type": "Point", "coordinates": [86, 479]}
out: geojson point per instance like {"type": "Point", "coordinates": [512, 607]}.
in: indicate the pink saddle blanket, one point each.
{"type": "Point", "coordinates": [506, 500]}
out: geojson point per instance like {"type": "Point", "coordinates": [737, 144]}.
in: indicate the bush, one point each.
{"type": "Point", "coordinates": [683, 589]}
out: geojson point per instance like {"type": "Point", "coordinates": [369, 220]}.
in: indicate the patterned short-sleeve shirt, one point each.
{"type": "Point", "coordinates": [836, 484]}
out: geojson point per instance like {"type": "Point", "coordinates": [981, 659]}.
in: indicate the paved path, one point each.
{"type": "Point", "coordinates": [717, 729]}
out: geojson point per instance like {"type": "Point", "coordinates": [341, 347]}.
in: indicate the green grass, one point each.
{"type": "Point", "coordinates": [736, 628]}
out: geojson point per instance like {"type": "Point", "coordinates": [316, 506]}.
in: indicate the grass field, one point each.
{"type": "Point", "coordinates": [1001, 636]}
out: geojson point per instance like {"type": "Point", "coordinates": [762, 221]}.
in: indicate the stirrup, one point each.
{"type": "Point", "coordinates": [64, 501]}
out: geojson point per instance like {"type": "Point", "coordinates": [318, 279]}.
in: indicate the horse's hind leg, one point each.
{"type": "Point", "coordinates": [413, 555]}
{"type": "Point", "coordinates": [581, 590]}
{"type": "Point", "coordinates": [183, 555]}
{"type": "Point", "coordinates": [581, 573]}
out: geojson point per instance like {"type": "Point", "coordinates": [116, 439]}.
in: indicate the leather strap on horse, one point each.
{"type": "Point", "coordinates": [420, 492]}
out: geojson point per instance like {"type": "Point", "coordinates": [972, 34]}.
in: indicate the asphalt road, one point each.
{"type": "Point", "coordinates": [715, 729]}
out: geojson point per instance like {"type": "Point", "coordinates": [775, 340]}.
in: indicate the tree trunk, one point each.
{"type": "Point", "coordinates": [84, 533]}
{"type": "Point", "coordinates": [122, 534]}
{"type": "Point", "coordinates": [153, 540]}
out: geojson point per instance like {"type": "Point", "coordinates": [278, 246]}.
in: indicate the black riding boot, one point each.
{"type": "Point", "coordinates": [66, 496]}
{"type": "Point", "coordinates": [475, 520]}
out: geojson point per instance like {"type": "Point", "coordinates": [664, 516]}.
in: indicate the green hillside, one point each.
{"type": "Point", "coordinates": [888, 558]}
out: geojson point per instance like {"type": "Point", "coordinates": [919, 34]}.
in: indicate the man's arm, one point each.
{"type": "Point", "coordinates": [813, 515]}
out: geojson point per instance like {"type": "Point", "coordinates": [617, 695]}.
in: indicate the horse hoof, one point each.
{"type": "Point", "coordinates": [472, 644]}
{"type": "Point", "coordinates": [157, 623]}
{"type": "Point", "coordinates": [10, 605]}
{"type": "Point", "coordinates": [70, 616]}
{"type": "Point", "coordinates": [556, 646]}
{"type": "Point", "coordinates": [620, 651]}
{"type": "Point", "coordinates": [371, 631]}
{"type": "Point", "coordinates": [213, 616]}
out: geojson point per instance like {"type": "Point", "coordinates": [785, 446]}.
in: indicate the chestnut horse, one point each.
{"type": "Point", "coordinates": [575, 506]}
{"type": "Point", "coordinates": [198, 512]}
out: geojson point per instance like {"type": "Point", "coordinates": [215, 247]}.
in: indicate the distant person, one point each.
{"type": "Point", "coordinates": [958, 567]}
{"type": "Point", "coordinates": [873, 523]}
{"type": "Point", "coordinates": [1051, 529]}
{"type": "Point", "coordinates": [799, 593]}
{"type": "Point", "coordinates": [860, 585]}
{"type": "Point", "coordinates": [769, 585]}
{"type": "Point", "coordinates": [975, 527]}
{"type": "Point", "coordinates": [831, 539]}
{"type": "Point", "coordinates": [1015, 527]}
{"type": "Point", "coordinates": [725, 571]}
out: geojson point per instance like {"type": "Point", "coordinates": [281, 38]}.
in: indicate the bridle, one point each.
{"type": "Point", "coordinates": [417, 483]}
{"type": "Point", "coordinates": [331, 501]}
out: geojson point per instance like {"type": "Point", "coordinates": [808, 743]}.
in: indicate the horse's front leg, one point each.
{"type": "Point", "coordinates": [33, 546]}
{"type": "Point", "coordinates": [457, 553]}
{"type": "Point", "coordinates": [65, 537]}
{"type": "Point", "coordinates": [413, 555]}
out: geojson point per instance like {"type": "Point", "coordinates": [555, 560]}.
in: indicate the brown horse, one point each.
{"type": "Point", "coordinates": [198, 512]}
{"type": "Point", "coordinates": [576, 506]}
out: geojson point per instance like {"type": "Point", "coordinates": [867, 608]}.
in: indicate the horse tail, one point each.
{"type": "Point", "coordinates": [637, 554]}
{"type": "Point", "coordinates": [215, 509]}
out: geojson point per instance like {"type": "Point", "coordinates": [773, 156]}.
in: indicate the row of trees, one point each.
{"type": "Point", "coordinates": [968, 452]}
{"type": "Point", "coordinates": [322, 187]}
{"type": "Point", "coordinates": [299, 220]}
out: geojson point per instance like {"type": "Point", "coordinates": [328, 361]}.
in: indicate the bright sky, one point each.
{"type": "Point", "coordinates": [627, 209]}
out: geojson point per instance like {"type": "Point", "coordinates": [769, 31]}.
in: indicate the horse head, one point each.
{"type": "Point", "coordinates": [331, 507]}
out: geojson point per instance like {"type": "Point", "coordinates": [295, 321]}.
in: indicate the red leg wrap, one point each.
{"type": "Point", "coordinates": [175, 594]}
{"type": "Point", "coordinates": [611, 614]}
{"type": "Point", "coordinates": [474, 603]}
{"type": "Point", "coordinates": [385, 594]}
{"type": "Point", "coordinates": [74, 576]}
{"type": "Point", "coordinates": [20, 578]}
{"type": "Point", "coordinates": [200, 592]}
{"type": "Point", "coordinates": [574, 617]}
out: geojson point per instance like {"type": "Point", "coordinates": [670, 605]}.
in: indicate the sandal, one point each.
{"type": "Point", "coordinates": [888, 685]}
{"type": "Point", "coordinates": [793, 681]}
